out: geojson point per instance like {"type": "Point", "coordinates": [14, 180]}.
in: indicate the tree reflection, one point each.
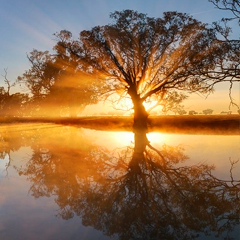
{"type": "Point", "coordinates": [140, 192]}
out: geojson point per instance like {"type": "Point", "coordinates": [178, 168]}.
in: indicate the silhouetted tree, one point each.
{"type": "Point", "coordinates": [207, 111]}
{"type": "Point", "coordinates": [229, 5]}
{"type": "Point", "coordinates": [192, 112]}
{"type": "Point", "coordinates": [11, 104]}
{"type": "Point", "coordinates": [147, 58]}
{"type": "Point", "coordinates": [228, 69]}
{"type": "Point", "coordinates": [56, 85]}
{"type": "Point", "coordinates": [181, 111]}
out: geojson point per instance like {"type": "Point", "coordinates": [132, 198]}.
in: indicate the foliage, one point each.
{"type": "Point", "coordinates": [151, 55]}
{"type": "Point", "coordinates": [11, 104]}
{"type": "Point", "coordinates": [172, 103]}
{"type": "Point", "coordinates": [207, 111]}
{"type": "Point", "coordinates": [55, 83]}
{"type": "Point", "coordinates": [146, 58]}
{"type": "Point", "coordinates": [192, 112]}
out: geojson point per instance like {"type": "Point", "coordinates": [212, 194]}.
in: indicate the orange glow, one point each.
{"type": "Point", "coordinates": [156, 138]}
{"type": "Point", "coordinates": [123, 139]}
{"type": "Point", "coordinates": [126, 104]}
{"type": "Point", "coordinates": [150, 105]}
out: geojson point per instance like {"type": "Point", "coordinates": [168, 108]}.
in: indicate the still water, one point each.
{"type": "Point", "coordinates": [65, 182]}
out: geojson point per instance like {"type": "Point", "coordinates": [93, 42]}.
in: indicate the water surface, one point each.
{"type": "Point", "coordinates": [65, 182]}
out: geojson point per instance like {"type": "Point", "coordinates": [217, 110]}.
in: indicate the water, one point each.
{"type": "Point", "coordinates": [65, 182]}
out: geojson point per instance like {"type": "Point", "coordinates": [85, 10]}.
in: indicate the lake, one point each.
{"type": "Point", "coordinates": [67, 182]}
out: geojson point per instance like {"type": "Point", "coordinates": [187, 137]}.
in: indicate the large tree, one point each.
{"type": "Point", "coordinates": [148, 58]}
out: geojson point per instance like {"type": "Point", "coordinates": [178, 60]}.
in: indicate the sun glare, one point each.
{"type": "Point", "coordinates": [125, 104]}
{"type": "Point", "coordinates": [156, 138]}
{"type": "Point", "coordinates": [150, 105]}
{"type": "Point", "coordinates": [123, 139]}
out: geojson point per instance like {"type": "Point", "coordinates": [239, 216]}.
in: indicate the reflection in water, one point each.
{"type": "Point", "coordinates": [136, 192]}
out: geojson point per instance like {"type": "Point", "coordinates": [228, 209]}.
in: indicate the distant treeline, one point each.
{"type": "Point", "coordinates": [213, 124]}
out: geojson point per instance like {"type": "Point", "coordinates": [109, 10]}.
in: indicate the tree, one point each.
{"type": "Point", "coordinates": [229, 5]}
{"type": "Point", "coordinates": [208, 111]}
{"type": "Point", "coordinates": [192, 112]}
{"type": "Point", "coordinates": [181, 111]}
{"type": "Point", "coordinates": [149, 57]}
{"type": "Point", "coordinates": [56, 85]}
{"type": "Point", "coordinates": [11, 104]}
{"type": "Point", "coordinates": [146, 58]}
{"type": "Point", "coordinates": [229, 67]}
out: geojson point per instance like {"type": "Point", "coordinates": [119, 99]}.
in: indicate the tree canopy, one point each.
{"type": "Point", "coordinates": [56, 85]}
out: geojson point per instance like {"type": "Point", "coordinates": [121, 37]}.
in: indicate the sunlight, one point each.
{"type": "Point", "coordinates": [125, 104]}
{"type": "Point", "coordinates": [156, 138]}
{"type": "Point", "coordinates": [109, 139]}
{"type": "Point", "coordinates": [123, 139]}
{"type": "Point", "coordinates": [150, 105]}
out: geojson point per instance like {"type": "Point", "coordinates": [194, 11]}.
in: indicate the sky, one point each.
{"type": "Point", "coordinates": [30, 24]}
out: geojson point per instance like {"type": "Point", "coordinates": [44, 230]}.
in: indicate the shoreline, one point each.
{"type": "Point", "coordinates": [196, 124]}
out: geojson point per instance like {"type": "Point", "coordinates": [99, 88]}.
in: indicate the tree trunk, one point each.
{"type": "Point", "coordinates": [140, 121]}
{"type": "Point", "coordinates": [140, 114]}
{"type": "Point", "coordinates": [138, 158]}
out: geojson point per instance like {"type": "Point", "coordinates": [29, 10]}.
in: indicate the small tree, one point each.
{"type": "Point", "coordinates": [207, 111]}
{"type": "Point", "coordinates": [181, 111]}
{"type": "Point", "coordinates": [192, 112]}
{"type": "Point", "coordinates": [11, 104]}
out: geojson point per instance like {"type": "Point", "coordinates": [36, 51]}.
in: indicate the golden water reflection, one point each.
{"type": "Point", "coordinates": [131, 187]}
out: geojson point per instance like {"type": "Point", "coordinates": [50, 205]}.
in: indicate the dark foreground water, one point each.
{"type": "Point", "coordinates": [61, 182]}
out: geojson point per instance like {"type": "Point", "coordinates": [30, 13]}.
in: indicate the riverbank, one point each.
{"type": "Point", "coordinates": [205, 124]}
